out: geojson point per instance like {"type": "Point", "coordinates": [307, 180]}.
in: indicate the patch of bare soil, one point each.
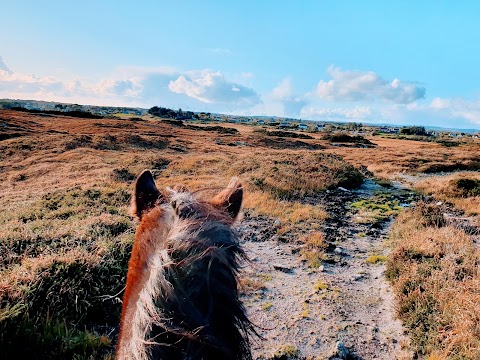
{"type": "Point", "coordinates": [343, 309]}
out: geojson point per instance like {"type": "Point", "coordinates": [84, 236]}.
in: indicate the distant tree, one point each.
{"type": "Point", "coordinates": [155, 111]}
{"type": "Point", "coordinates": [414, 130]}
{"type": "Point", "coordinates": [163, 112]}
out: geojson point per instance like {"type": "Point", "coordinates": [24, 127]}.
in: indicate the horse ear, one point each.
{"type": "Point", "coordinates": [146, 194]}
{"type": "Point", "coordinates": [230, 199]}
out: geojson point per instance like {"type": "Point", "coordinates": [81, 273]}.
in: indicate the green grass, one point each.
{"type": "Point", "coordinates": [287, 351]}
{"type": "Point", "coordinates": [320, 285]}
{"type": "Point", "coordinates": [376, 259]}
{"type": "Point", "coordinates": [51, 340]}
{"type": "Point", "coordinates": [65, 261]}
{"type": "Point", "coordinates": [267, 306]}
{"type": "Point", "coordinates": [379, 208]}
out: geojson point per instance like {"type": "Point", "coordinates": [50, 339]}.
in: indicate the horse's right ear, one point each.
{"type": "Point", "coordinates": [146, 194]}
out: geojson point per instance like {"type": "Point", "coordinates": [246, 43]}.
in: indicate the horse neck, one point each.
{"type": "Point", "coordinates": [146, 266]}
{"type": "Point", "coordinates": [183, 291]}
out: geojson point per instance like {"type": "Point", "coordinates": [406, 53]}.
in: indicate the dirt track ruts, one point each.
{"type": "Point", "coordinates": [346, 300]}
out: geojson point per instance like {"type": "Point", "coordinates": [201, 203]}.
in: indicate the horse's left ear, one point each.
{"type": "Point", "coordinates": [230, 199]}
{"type": "Point", "coordinates": [146, 194]}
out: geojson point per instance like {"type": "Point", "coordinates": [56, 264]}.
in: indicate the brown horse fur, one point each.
{"type": "Point", "coordinates": [181, 298]}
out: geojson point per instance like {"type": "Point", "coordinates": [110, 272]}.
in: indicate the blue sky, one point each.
{"type": "Point", "coordinates": [403, 62]}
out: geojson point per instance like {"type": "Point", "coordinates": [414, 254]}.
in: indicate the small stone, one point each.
{"type": "Point", "coordinates": [439, 203]}
{"type": "Point", "coordinates": [357, 277]}
{"type": "Point", "coordinates": [282, 268]}
{"type": "Point", "coordinates": [338, 250]}
{"type": "Point", "coordinates": [343, 189]}
{"type": "Point", "coordinates": [321, 268]}
{"type": "Point", "coordinates": [277, 223]}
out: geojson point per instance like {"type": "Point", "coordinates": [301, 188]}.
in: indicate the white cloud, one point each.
{"type": "Point", "coordinates": [133, 86]}
{"type": "Point", "coordinates": [212, 88]}
{"type": "Point", "coordinates": [354, 85]}
{"type": "Point", "coordinates": [338, 113]}
{"type": "Point", "coordinates": [439, 103]}
{"type": "Point", "coordinates": [129, 87]}
{"type": "Point", "coordinates": [457, 108]}
{"type": "Point", "coordinates": [283, 93]}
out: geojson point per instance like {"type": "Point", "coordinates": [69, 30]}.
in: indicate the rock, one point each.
{"type": "Point", "coordinates": [357, 277]}
{"type": "Point", "coordinates": [338, 251]}
{"type": "Point", "coordinates": [439, 203]}
{"type": "Point", "coordinates": [277, 223]}
{"type": "Point", "coordinates": [283, 268]}
{"type": "Point", "coordinates": [343, 189]}
{"type": "Point", "coordinates": [341, 351]}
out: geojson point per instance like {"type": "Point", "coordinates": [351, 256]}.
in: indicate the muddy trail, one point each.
{"type": "Point", "coordinates": [341, 309]}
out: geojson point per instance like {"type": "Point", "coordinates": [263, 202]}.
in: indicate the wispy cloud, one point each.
{"type": "Point", "coordinates": [220, 51]}
{"type": "Point", "coordinates": [3, 66]}
{"type": "Point", "coordinates": [338, 113]}
{"type": "Point", "coordinates": [458, 108]}
{"type": "Point", "coordinates": [247, 75]}
{"type": "Point", "coordinates": [354, 85]}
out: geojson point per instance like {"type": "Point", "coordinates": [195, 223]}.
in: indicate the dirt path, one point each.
{"type": "Point", "coordinates": [341, 310]}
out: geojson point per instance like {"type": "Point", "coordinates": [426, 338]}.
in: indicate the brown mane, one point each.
{"type": "Point", "coordinates": [181, 299]}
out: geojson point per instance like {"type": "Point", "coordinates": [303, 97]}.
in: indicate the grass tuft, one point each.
{"type": "Point", "coordinates": [435, 274]}
{"type": "Point", "coordinates": [376, 259]}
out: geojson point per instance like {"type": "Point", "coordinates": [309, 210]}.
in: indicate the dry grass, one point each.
{"type": "Point", "coordinates": [66, 231]}
{"type": "Point", "coordinates": [436, 277]}
{"type": "Point", "coordinates": [461, 189]}
{"type": "Point", "coordinates": [393, 156]}
{"type": "Point", "coordinates": [376, 259]}
{"type": "Point", "coordinates": [313, 252]}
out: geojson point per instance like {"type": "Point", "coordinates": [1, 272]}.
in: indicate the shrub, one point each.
{"type": "Point", "coordinates": [295, 175]}
{"type": "Point", "coordinates": [434, 272]}
{"type": "Point", "coordinates": [467, 187]}
{"type": "Point", "coordinates": [122, 175]}
{"type": "Point", "coordinates": [345, 138]}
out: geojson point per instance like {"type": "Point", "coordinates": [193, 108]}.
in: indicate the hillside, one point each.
{"type": "Point", "coordinates": [325, 278]}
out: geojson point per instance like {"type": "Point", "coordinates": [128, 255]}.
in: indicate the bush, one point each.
{"type": "Point", "coordinates": [345, 138]}
{"type": "Point", "coordinates": [295, 176]}
{"type": "Point", "coordinates": [123, 175]}
{"type": "Point", "coordinates": [467, 187]}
